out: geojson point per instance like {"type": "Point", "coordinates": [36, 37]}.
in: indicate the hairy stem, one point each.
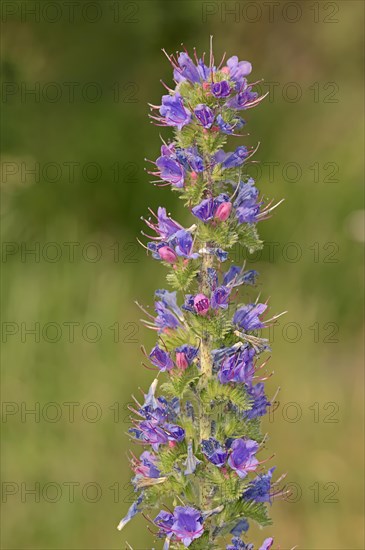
{"type": "Point", "coordinates": [205, 363]}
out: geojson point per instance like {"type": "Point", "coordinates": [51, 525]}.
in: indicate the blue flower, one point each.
{"type": "Point", "coordinates": [165, 319]}
{"type": "Point", "coordinates": [238, 544]}
{"type": "Point", "coordinates": [169, 300]}
{"type": "Point", "coordinates": [145, 468]}
{"type": "Point", "coordinates": [267, 544]}
{"type": "Point", "coordinates": [235, 276]}
{"type": "Point", "coordinates": [188, 524]}
{"type": "Point", "coordinates": [191, 461]}
{"type": "Point", "coordinates": [232, 160]}
{"type": "Point", "coordinates": [259, 489]}
{"type": "Point", "coordinates": [243, 100]}
{"type": "Point", "coordinates": [185, 355]}
{"type": "Point", "coordinates": [204, 210]}
{"type": "Point", "coordinates": [247, 207]}
{"type": "Point", "coordinates": [241, 526]}
{"type": "Point", "coordinates": [220, 297]}
{"type": "Point", "coordinates": [214, 452]}
{"type": "Point", "coordinates": [171, 171]}
{"type": "Point", "coordinates": [221, 89]}
{"type": "Point", "coordinates": [183, 243]}
{"type": "Point", "coordinates": [205, 115]}
{"type": "Point", "coordinates": [173, 112]}
{"type": "Point", "coordinates": [238, 367]}
{"type": "Point", "coordinates": [161, 359]}
{"type": "Point", "coordinates": [238, 70]}
{"type": "Point", "coordinates": [190, 159]}
{"type": "Point", "coordinates": [185, 524]}
{"type": "Point", "coordinates": [133, 510]}
{"type": "Point", "coordinates": [187, 69]}
{"type": "Point", "coordinates": [229, 127]}
{"type": "Point", "coordinates": [248, 317]}
{"type": "Point", "coordinates": [259, 401]}
{"type": "Point", "coordinates": [242, 458]}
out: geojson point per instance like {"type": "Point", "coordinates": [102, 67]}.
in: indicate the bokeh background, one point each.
{"type": "Point", "coordinates": [73, 190]}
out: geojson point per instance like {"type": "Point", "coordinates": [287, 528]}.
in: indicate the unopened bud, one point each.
{"type": "Point", "coordinates": [167, 254]}
{"type": "Point", "coordinates": [223, 211]}
{"type": "Point", "coordinates": [181, 360]}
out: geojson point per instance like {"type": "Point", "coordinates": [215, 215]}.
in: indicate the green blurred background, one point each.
{"type": "Point", "coordinates": [85, 132]}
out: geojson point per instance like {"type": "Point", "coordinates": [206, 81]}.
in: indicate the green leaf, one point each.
{"type": "Point", "coordinates": [234, 511]}
{"type": "Point", "coordinates": [179, 382]}
{"type": "Point", "coordinates": [183, 276]}
{"type": "Point", "coordinates": [176, 338]}
{"type": "Point", "coordinates": [223, 393]}
{"type": "Point", "coordinates": [193, 193]}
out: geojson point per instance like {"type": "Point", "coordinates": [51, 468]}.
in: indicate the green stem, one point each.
{"type": "Point", "coordinates": [205, 365]}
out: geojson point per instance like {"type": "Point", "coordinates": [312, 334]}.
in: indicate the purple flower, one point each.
{"type": "Point", "coordinates": [241, 526]}
{"type": "Point", "coordinates": [267, 544]}
{"type": "Point", "coordinates": [165, 319]}
{"type": "Point", "coordinates": [161, 359]}
{"type": "Point", "coordinates": [222, 255]}
{"type": "Point", "coordinates": [164, 521]}
{"type": "Point", "coordinates": [247, 207]}
{"type": "Point", "coordinates": [259, 489]}
{"type": "Point", "coordinates": [146, 467]}
{"type": "Point", "coordinates": [201, 304]}
{"type": "Point", "coordinates": [171, 171]}
{"type": "Point", "coordinates": [169, 300]}
{"type": "Point", "coordinates": [174, 433]}
{"type": "Point", "coordinates": [165, 226]}
{"type": "Point", "coordinates": [189, 303]}
{"type": "Point", "coordinates": [205, 115]}
{"type": "Point", "coordinates": [183, 243]}
{"type": "Point", "coordinates": [188, 524]}
{"type": "Point", "coordinates": [173, 112]}
{"type": "Point", "coordinates": [133, 510]}
{"type": "Point", "coordinates": [185, 355]}
{"type": "Point", "coordinates": [204, 71]}
{"type": "Point", "coordinates": [242, 458]}
{"type": "Point", "coordinates": [191, 461]}
{"type": "Point", "coordinates": [212, 278]}
{"type": "Point", "coordinates": [243, 100]}
{"type": "Point", "coordinates": [259, 401]}
{"type": "Point", "coordinates": [229, 127]}
{"type": "Point", "coordinates": [232, 160]}
{"type": "Point", "coordinates": [238, 70]}
{"type": "Point", "coordinates": [238, 367]}
{"type": "Point", "coordinates": [186, 70]}
{"type": "Point", "coordinates": [247, 317]}
{"type": "Point", "coordinates": [220, 297]}
{"type": "Point", "coordinates": [150, 433]}
{"type": "Point", "coordinates": [190, 159]}
{"type": "Point", "coordinates": [238, 544]}
{"type": "Point", "coordinates": [204, 210]}
{"type": "Point", "coordinates": [221, 89]}
{"type": "Point", "coordinates": [214, 452]}
{"type": "Point", "coordinates": [207, 208]}
{"type": "Point", "coordinates": [235, 276]}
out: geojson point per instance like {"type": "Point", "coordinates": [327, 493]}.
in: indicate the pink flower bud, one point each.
{"type": "Point", "coordinates": [194, 176]}
{"type": "Point", "coordinates": [225, 70]}
{"type": "Point", "coordinates": [201, 304]}
{"type": "Point", "coordinates": [206, 85]}
{"type": "Point", "coordinates": [172, 443]}
{"type": "Point", "coordinates": [167, 254]}
{"type": "Point", "coordinates": [181, 361]}
{"type": "Point", "coordinates": [223, 211]}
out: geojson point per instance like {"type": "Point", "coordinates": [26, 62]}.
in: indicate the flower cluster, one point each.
{"type": "Point", "coordinates": [203, 448]}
